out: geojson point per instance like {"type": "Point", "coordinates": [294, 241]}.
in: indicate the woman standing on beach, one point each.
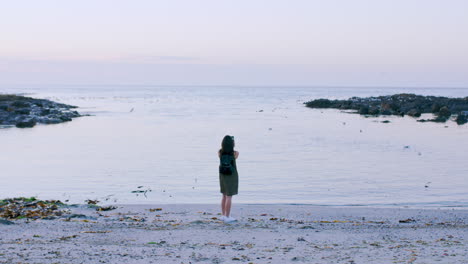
{"type": "Point", "coordinates": [228, 176]}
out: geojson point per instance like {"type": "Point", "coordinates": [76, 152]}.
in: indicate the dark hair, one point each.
{"type": "Point", "coordinates": [227, 146]}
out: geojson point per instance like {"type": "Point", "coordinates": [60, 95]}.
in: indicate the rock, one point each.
{"type": "Point", "coordinates": [319, 103]}
{"type": "Point", "coordinates": [440, 119]}
{"type": "Point", "coordinates": [414, 113]}
{"type": "Point", "coordinates": [26, 123]}
{"type": "Point", "coordinates": [386, 112]}
{"type": "Point", "coordinates": [462, 119]}
{"type": "Point", "coordinates": [444, 112]}
{"type": "Point", "coordinates": [398, 104]}
{"type": "Point", "coordinates": [20, 103]}
{"type": "Point", "coordinates": [386, 106]}
{"type": "Point", "coordinates": [51, 120]}
{"type": "Point", "coordinates": [435, 108]}
{"type": "Point", "coordinates": [45, 112]}
{"type": "Point", "coordinates": [364, 110]}
{"type": "Point", "coordinates": [24, 112]}
{"type": "Point", "coordinates": [65, 118]}
{"type": "Point", "coordinates": [374, 111]}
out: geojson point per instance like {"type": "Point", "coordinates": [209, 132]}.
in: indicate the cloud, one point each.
{"type": "Point", "coordinates": [158, 59]}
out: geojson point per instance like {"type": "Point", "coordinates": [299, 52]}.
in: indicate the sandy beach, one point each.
{"type": "Point", "coordinates": [262, 234]}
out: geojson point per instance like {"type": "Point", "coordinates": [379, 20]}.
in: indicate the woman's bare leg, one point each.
{"type": "Point", "coordinates": [223, 205]}
{"type": "Point", "coordinates": [227, 205]}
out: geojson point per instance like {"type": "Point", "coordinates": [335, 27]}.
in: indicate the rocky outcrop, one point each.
{"type": "Point", "coordinates": [23, 112]}
{"type": "Point", "coordinates": [401, 104]}
{"type": "Point", "coordinates": [462, 119]}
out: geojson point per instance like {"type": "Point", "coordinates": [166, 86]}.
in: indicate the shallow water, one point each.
{"type": "Point", "coordinates": [164, 140]}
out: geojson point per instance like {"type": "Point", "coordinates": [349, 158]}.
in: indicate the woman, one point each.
{"type": "Point", "coordinates": [228, 176]}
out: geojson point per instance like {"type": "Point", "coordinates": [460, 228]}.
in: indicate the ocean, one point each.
{"type": "Point", "coordinates": [158, 144]}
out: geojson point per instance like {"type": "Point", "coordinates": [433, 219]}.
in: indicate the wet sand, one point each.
{"type": "Point", "coordinates": [263, 234]}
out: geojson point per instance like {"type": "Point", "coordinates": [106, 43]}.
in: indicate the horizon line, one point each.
{"type": "Point", "coordinates": [253, 86]}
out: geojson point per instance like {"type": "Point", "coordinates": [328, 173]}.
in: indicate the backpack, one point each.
{"type": "Point", "coordinates": [225, 164]}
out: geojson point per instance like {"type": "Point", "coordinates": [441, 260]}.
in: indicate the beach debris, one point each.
{"type": "Point", "coordinates": [77, 216]}
{"type": "Point", "coordinates": [298, 259]}
{"type": "Point", "coordinates": [160, 243]}
{"type": "Point", "coordinates": [105, 208]}
{"type": "Point", "coordinates": [95, 232]}
{"type": "Point", "coordinates": [30, 208]}
{"type": "Point", "coordinates": [137, 192]}
{"type": "Point", "coordinates": [409, 220]}
{"type": "Point", "coordinates": [92, 202]}
{"type": "Point", "coordinates": [67, 237]}
{"type": "Point", "coordinates": [375, 222]}
{"type": "Point", "coordinates": [86, 221]}
{"type": "Point", "coordinates": [155, 209]}
{"type": "Point", "coordinates": [6, 222]}
{"type": "Point", "coordinates": [132, 219]}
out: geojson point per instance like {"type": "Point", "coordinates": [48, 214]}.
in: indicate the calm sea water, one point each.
{"type": "Point", "coordinates": [164, 140]}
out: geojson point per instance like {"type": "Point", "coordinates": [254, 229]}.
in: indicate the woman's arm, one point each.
{"type": "Point", "coordinates": [236, 154]}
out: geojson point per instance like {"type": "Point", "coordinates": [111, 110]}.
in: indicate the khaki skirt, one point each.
{"type": "Point", "coordinates": [229, 184]}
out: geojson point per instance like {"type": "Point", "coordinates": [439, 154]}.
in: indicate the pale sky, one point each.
{"type": "Point", "coordinates": [236, 42]}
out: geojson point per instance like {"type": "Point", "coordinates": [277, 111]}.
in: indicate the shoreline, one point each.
{"type": "Point", "coordinates": [185, 233]}
{"type": "Point", "coordinates": [392, 207]}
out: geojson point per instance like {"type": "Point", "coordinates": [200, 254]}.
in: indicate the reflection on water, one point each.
{"type": "Point", "coordinates": [159, 144]}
